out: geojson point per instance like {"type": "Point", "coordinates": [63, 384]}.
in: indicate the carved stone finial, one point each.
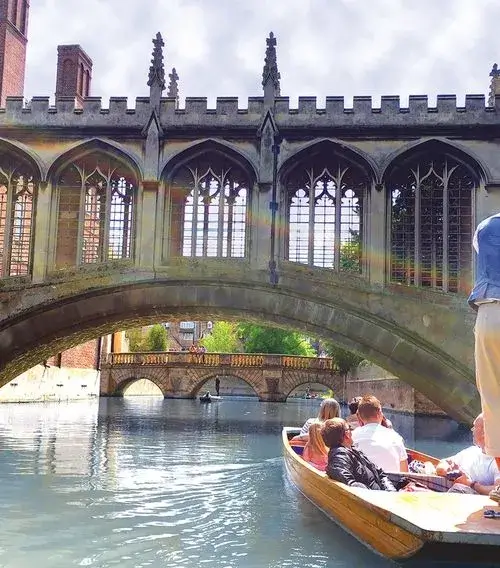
{"type": "Point", "coordinates": [494, 85]}
{"type": "Point", "coordinates": [157, 70]}
{"type": "Point", "coordinates": [270, 74]}
{"type": "Point", "coordinates": [173, 85]}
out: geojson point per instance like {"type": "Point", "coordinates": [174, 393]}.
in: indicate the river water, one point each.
{"type": "Point", "coordinates": [170, 483]}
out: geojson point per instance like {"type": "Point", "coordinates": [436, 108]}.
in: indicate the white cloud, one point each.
{"type": "Point", "coordinates": [325, 47]}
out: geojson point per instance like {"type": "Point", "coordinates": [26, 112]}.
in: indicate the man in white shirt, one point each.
{"type": "Point", "coordinates": [383, 446]}
{"type": "Point", "coordinates": [479, 472]}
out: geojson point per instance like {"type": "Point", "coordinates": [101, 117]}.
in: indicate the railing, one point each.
{"type": "Point", "coordinates": [174, 358]}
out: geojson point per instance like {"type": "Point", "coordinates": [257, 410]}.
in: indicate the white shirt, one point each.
{"type": "Point", "coordinates": [383, 446]}
{"type": "Point", "coordinates": [477, 465]}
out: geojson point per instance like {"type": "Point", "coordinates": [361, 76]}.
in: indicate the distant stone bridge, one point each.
{"type": "Point", "coordinates": [182, 375]}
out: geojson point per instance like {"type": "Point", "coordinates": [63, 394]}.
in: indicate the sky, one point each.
{"type": "Point", "coordinates": [325, 47]}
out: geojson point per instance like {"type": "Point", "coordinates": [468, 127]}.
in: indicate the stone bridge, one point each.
{"type": "Point", "coordinates": [350, 224]}
{"type": "Point", "coordinates": [182, 375]}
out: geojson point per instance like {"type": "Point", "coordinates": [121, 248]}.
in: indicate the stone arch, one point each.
{"type": "Point", "coordinates": [108, 147]}
{"type": "Point", "coordinates": [434, 360]}
{"type": "Point", "coordinates": [170, 166]}
{"type": "Point", "coordinates": [194, 384]}
{"type": "Point", "coordinates": [293, 380]}
{"type": "Point", "coordinates": [442, 145]}
{"type": "Point", "coordinates": [347, 151]}
{"type": "Point", "coordinates": [26, 155]}
{"type": "Point", "coordinates": [121, 379]}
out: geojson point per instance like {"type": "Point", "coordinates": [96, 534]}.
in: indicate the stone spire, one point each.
{"type": "Point", "coordinates": [494, 85]}
{"type": "Point", "coordinates": [156, 80]}
{"type": "Point", "coordinates": [173, 85]}
{"type": "Point", "coordinates": [270, 74]}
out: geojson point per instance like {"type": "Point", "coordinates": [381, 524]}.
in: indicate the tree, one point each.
{"type": "Point", "coordinates": [157, 338]}
{"type": "Point", "coordinates": [264, 339]}
{"type": "Point", "coordinates": [350, 253]}
{"type": "Point", "coordinates": [344, 360]}
{"type": "Point", "coordinates": [223, 339]}
{"type": "Point", "coordinates": [136, 339]}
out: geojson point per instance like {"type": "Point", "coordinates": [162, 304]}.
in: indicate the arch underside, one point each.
{"type": "Point", "coordinates": [36, 334]}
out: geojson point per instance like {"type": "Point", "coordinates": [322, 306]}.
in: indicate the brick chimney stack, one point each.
{"type": "Point", "coordinates": [13, 42]}
{"type": "Point", "coordinates": [74, 73]}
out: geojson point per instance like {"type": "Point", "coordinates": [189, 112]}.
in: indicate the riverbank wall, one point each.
{"type": "Point", "coordinates": [393, 393]}
{"type": "Point", "coordinates": [47, 383]}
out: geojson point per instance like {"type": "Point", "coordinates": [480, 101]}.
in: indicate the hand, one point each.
{"type": "Point", "coordinates": [464, 479]}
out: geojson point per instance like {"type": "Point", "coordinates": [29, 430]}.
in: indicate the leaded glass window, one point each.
{"type": "Point", "coordinates": [213, 194]}
{"type": "Point", "coordinates": [432, 222]}
{"type": "Point", "coordinates": [325, 213]}
{"type": "Point", "coordinates": [96, 211]}
{"type": "Point", "coordinates": [18, 187]}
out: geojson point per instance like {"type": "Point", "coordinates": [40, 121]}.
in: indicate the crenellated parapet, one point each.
{"type": "Point", "coordinates": [228, 113]}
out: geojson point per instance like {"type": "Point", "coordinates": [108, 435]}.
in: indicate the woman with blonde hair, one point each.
{"type": "Point", "coordinates": [329, 408]}
{"type": "Point", "coordinates": [315, 452]}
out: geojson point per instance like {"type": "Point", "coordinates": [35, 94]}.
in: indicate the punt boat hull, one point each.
{"type": "Point", "coordinates": [400, 526]}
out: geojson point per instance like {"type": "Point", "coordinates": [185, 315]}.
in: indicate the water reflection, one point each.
{"type": "Point", "coordinates": [148, 482]}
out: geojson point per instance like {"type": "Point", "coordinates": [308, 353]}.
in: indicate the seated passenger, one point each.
{"type": "Point", "coordinates": [347, 464]}
{"type": "Point", "coordinates": [315, 452]}
{"type": "Point", "coordinates": [352, 419]}
{"type": "Point", "coordinates": [329, 408]}
{"type": "Point", "coordinates": [478, 472]}
{"type": "Point", "coordinates": [383, 446]}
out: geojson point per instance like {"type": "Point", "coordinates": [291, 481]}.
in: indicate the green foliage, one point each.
{"type": "Point", "coordinates": [263, 339]}
{"type": "Point", "coordinates": [223, 339]}
{"type": "Point", "coordinates": [136, 339]}
{"type": "Point", "coordinates": [157, 338]}
{"type": "Point", "coordinates": [350, 253]}
{"type": "Point", "coordinates": [343, 359]}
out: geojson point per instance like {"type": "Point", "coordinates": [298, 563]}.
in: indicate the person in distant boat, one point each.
{"type": "Point", "coordinates": [383, 446]}
{"type": "Point", "coordinates": [329, 408]}
{"type": "Point", "coordinates": [352, 419]}
{"type": "Point", "coordinates": [477, 472]}
{"type": "Point", "coordinates": [347, 464]}
{"type": "Point", "coordinates": [217, 385]}
{"type": "Point", "coordinates": [485, 299]}
{"type": "Point", "coordinates": [315, 452]}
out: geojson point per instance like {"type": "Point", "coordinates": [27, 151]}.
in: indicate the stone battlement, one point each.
{"type": "Point", "coordinates": [227, 113]}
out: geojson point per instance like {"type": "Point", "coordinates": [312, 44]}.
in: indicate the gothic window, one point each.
{"type": "Point", "coordinates": [432, 222]}
{"type": "Point", "coordinates": [96, 211]}
{"type": "Point", "coordinates": [325, 213]}
{"type": "Point", "coordinates": [212, 195]}
{"type": "Point", "coordinates": [17, 195]}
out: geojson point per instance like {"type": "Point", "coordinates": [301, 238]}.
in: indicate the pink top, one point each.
{"type": "Point", "coordinates": [318, 461]}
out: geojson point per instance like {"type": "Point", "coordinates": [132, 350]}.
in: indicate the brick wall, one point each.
{"type": "Point", "coordinates": [12, 47]}
{"type": "Point", "coordinates": [84, 356]}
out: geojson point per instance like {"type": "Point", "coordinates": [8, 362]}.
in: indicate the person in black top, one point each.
{"type": "Point", "coordinates": [348, 465]}
{"type": "Point", "coordinates": [217, 385]}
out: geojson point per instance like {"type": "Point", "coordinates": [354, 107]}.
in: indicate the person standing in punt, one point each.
{"type": "Point", "coordinates": [485, 299]}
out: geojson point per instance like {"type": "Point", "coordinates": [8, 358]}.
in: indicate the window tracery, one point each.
{"type": "Point", "coordinates": [18, 186]}
{"type": "Point", "coordinates": [432, 223]}
{"type": "Point", "coordinates": [325, 214]}
{"type": "Point", "coordinates": [96, 211]}
{"type": "Point", "coordinates": [213, 194]}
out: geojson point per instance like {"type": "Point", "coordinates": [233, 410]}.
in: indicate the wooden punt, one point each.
{"type": "Point", "coordinates": [400, 526]}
